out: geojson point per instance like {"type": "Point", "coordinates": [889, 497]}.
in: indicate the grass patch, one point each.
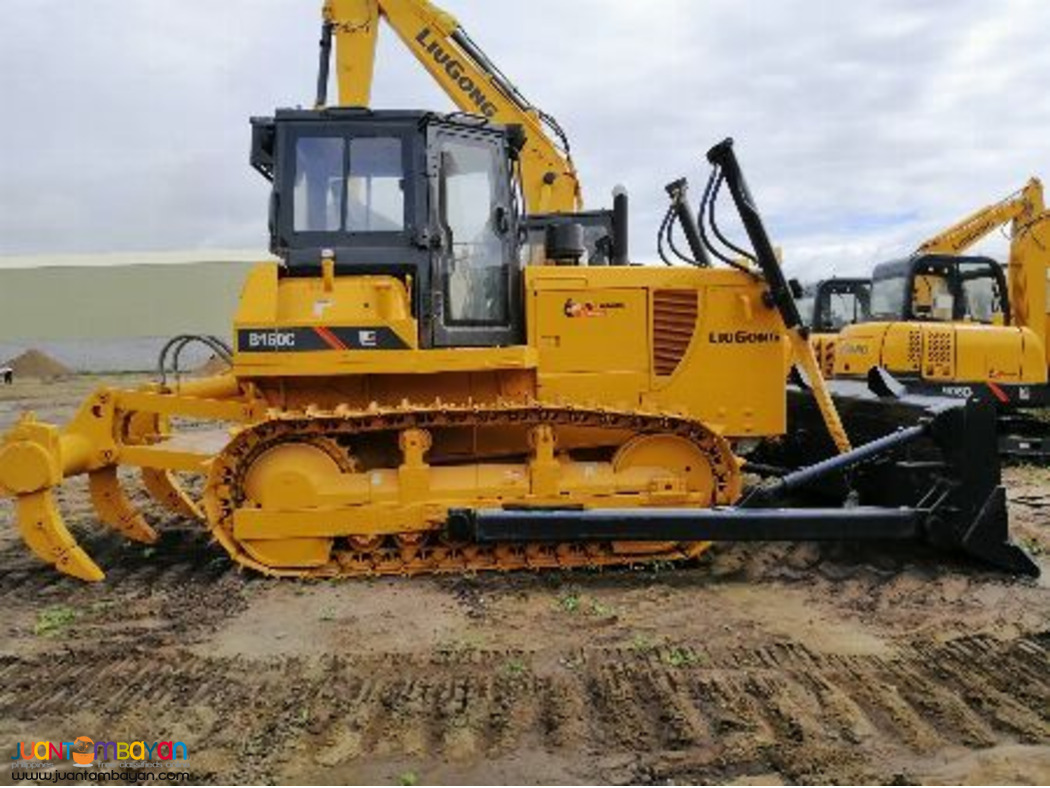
{"type": "Point", "coordinates": [600, 610]}
{"type": "Point", "coordinates": [516, 667]}
{"type": "Point", "coordinates": [682, 658]}
{"type": "Point", "coordinates": [53, 620]}
{"type": "Point", "coordinates": [642, 643]}
{"type": "Point", "coordinates": [572, 602]}
{"type": "Point", "coordinates": [1033, 545]}
{"type": "Point", "coordinates": [408, 778]}
{"type": "Point", "coordinates": [569, 602]}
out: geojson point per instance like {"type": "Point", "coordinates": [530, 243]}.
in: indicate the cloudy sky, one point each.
{"type": "Point", "coordinates": [862, 126]}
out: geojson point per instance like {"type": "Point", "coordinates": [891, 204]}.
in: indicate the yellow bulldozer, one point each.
{"type": "Point", "coordinates": [411, 392]}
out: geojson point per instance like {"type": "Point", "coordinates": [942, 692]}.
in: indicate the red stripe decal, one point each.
{"type": "Point", "coordinates": [1000, 395]}
{"type": "Point", "coordinates": [330, 339]}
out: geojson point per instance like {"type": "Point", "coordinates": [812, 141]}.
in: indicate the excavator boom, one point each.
{"type": "Point", "coordinates": [463, 71]}
{"type": "Point", "coordinates": [1020, 207]}
{"type": "Point", "coordinates": [1025, 211]}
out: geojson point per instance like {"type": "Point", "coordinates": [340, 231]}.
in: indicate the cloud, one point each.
{"type": "Point", "coordinates": [863, 127]}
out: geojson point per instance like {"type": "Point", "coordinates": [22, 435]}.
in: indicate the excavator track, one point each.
{"type": "Point", "coordinates": [425, 550]}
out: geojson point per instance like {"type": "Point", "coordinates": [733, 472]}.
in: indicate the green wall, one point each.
{"type": "Point", "coordinates": [109, 302]}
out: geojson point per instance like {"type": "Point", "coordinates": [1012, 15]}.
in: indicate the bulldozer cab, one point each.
{"type": "Point", "coordinates": [941, 288]}
{"type": "Point", "coordinates": [424, 198]}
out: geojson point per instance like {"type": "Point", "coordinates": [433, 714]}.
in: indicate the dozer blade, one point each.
{"type": "Point", "coordinates": [114, 508]}
{"type": "Point", "coordinates": [46, 534]}
{"type": "Point", "coordinates": [951, 472]}
{"type": "Point", "coordinates": [164, 488]}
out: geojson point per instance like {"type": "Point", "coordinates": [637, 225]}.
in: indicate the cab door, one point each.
{"type": "Point", "coordinates": [476, 290]}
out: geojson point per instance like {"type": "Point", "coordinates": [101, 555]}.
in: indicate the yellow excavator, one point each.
{"type": "Point", "coordinates": [953, 324]}
{"type": "Point", "coordinates": [411, 394]}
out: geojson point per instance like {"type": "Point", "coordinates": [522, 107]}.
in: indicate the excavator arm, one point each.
{"type": "Point", "coordinates": [467, 76]}
{"type": "Point", "coordinates": [1026, 211]}
{"type": "Point", "coordinates": [1019, 208]}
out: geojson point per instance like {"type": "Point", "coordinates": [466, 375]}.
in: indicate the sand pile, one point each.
{"type": "Point", "coordinates": [213, 366]}
{"type": "Point", "coordinates": [34, 364]}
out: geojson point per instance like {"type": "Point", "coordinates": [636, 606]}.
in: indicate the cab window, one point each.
{"type": "Point", "coordinates": [932, 297]}
{"type": "Point", "coordinates": [318, 197]}
{"type": "Point", "coordinates": [843, 308]}
{"type": "Point", "coordinates": [375, 200]}
{"type": "Point", "coordinates": [476, 284]}
{"type": "Point", "coordinates": [982, 300]}
{"type": "Point", "coordinates": [354, 185]}
{"type": "Point", "coordinates": [887, 298]}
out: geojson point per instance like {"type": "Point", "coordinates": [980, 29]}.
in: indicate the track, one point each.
{"type": "Point", "coordinates": [423, 551]}
{"type": "Point", "coordinates": [679, 712]}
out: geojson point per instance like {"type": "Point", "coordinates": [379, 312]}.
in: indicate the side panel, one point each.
{"type": "Point", "coordinates": [939, 356]}
{"type": "Point", "coordinates": [902, 349]}
{"type": "Point", "coordinates": [700, 342]}
{"type": "Point", "coordinates": [734, 371]}
{"type": "Point", "coordinates": [863, 346]}
{"type": "Point", "coordinates": [942, 353]}
{"type": "Point", "coordinates": [593, 342]}
{"type": "Point", "coordinates": [989, 353]}
{"type": "Point", "coordinates": [349, 327]}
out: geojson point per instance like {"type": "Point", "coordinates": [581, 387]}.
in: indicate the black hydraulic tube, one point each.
{"type": "Point", "coordinates": [176, 345]}
{"type": "Point", "coordinates": [620, 252]}
{"type": "Point", "coordinates": [324, 65]}
{"type": "Point", "coordinates": [678, 192]}
{"type": "Point", "coordinates": [811, 473]}
{"type": "Point", "coordinates": [683, 525]}
{"type": "Point", "coordinates": [490, 69]}
{"type": "Point", "coordinates": [722, 156]}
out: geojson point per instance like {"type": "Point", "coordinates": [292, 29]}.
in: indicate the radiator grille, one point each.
{"type": "Point", "coordinates": [914, 348]}
{"type": "Point", "coordinates": [674, 322]}
{"type": "Point", "coordinates": [940, 348]}
{"type": "Point", "coordinates": [940, 353]}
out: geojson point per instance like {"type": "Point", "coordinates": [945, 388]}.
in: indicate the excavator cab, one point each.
{"type": "Point", "coordinates": [420, 197]}
{"type": "Point", "coordinates": [831, 304]}
{"type": "Point", "coordinates": [941, 288]}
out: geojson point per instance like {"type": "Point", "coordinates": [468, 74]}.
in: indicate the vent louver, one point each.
{"type": "Point", "coordinates": [674, 322]}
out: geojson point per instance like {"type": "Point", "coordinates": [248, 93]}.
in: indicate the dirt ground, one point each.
{"type": "Point", "coordinates": [756, 664]}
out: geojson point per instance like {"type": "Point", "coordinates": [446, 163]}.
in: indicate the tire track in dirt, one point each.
{"type": "Point", "coordinates": [715, 716]}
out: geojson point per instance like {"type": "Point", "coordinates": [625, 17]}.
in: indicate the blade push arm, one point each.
{"type": "Point", "coordinates": [723, 157]}
{"type": "Point", "coordinates": [466, 75]}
